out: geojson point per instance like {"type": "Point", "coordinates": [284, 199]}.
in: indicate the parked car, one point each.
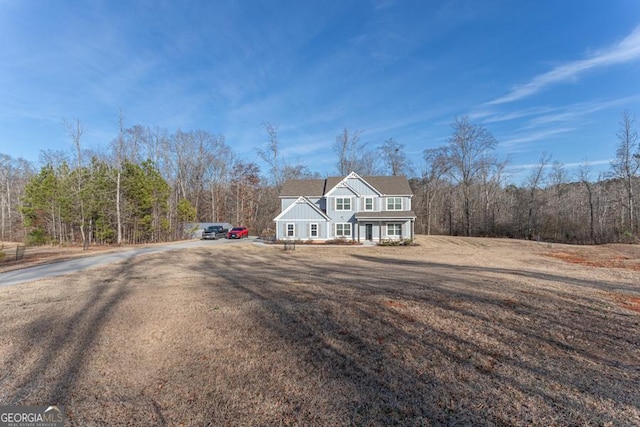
{"type": "Point", "coordinates": [214, 232]}
{"type": "Point", "coordinates": [238, 233]}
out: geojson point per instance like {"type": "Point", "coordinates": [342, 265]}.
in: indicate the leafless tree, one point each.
{"type": "Point", "coordinates": [584, 174]}
{"type": "Point", "coordinates": [533, 184]}
{"type": "Point", "coordinates": [492, 175]}
{"type": "Point", "coordinates": [467, 152]}
{"type": "Point", "coordinates": [394, 158]}
{"type": "Point", "coordinates": [436, 166]}
{"type": "Point", "coordinates": [353, 155]}
{"type": "Point", "coordinates": [272, 155]}
{"type": "Point", "coordinates": [627, 163]}
{"type": "Point", "coordinates": [14, 174]}
{"type": "Point", "coordinates": [558, 179]}
{"type": "Point", "coordinates": [76, 130]}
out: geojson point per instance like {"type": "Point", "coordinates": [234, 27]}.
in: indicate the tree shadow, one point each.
{"type": "Point", "coordinates": [64, 341]}
{"type": "Point", "coordinates": [391, 387]}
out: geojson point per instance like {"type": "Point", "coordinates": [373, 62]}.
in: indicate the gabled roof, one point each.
{"type": "Point", "coordinates": [306, 201]}
{"type": "Point", "coordinates": [391, 215]}
{"type": "Point", "coordinates": [390, 185]}
{"type": "Point", "coordinates": [303, 187]}
{"type": "Point", "coordinates": [344, 183]}
{"type": "Point", "coordinates": [386, 185]}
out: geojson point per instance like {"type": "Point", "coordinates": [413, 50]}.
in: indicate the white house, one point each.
{"type": "Point", "coordinates": [353, 207]}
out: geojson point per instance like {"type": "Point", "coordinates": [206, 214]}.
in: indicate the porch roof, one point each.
{"type": "Point", "coordinates": [390, 215]}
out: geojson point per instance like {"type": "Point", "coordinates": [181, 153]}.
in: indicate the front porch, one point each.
{"type": "Point", "coordinates": [379, 226]}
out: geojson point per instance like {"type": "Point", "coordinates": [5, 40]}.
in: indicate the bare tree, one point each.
{"type": "Point", "coordinates": [627, 163]}
{"type": "Point", "coordinates": [394, 158]}
{"type": "Point", "coordinates": [14, 174]}
{"type": "Point", "coordinates": [353, 155]}
{"type": "Point", "coordinates": [558, 178]}
{"type": "Point", "coordinates": [436, 165]}
{"type": "Point", "coordinates": [533, 184]}
{"type": "Point", "coordinates": [467, 152]}
{"type": "Point", "coordinates": [585, 180]}
{"type": "Point", "coordinates": [271, 155]}
{"type": "Point", "coordinates": [76, 130]}
{"type": "Point", "coordinates": [491, 180]}
{"type": "Point", "coordinates": [119, 149]}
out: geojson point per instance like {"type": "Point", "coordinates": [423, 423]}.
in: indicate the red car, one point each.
{"type": "Point", "coordinates": [238, 233]}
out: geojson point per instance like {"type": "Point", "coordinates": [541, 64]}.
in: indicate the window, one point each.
{"type": "Point", "coordinates": [368, 203]}
{"type": "Point", "coordinates": [394, 203]}
{"type": "Point", "coordinates": [343, 230]}
{"type": "Point", "coordinates": [394, 230]}
{"type": "Point", "coordinates": [291, 230]}
{"type": "Point", "coordinates": [313, 230]}
{"type": "Point", "coordinates": [343, 203]}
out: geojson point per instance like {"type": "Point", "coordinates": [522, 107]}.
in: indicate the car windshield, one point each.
{"type": "Point", "coordinates": [237, 229]}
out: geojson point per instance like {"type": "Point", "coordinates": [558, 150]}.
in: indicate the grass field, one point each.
{"type": "Point", "coordinates": [455, 331]}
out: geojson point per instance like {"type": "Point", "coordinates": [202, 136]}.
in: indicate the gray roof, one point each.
{"type": "Point", "coordinates": [385, 215]}
{"type": "Point", "coordinates": [387, 185]}
{"type": "Point", "coordinates": [303, 187]}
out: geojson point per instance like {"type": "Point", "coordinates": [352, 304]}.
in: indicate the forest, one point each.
{"type": "Point", "coordinates": [147, 185]}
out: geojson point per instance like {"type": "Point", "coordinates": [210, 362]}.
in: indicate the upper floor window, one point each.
{"type": "Point", "coordinates": [368, 203]}
{"type": "Point", "coordinates": [394, 203]}
{"type": "Point", "coordinates": [343, 203]}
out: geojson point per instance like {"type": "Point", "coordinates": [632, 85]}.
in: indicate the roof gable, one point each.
{"type": "Point", "coordinates": [383, 185]}
{"type": "Point", "coordinates": [302, 200]}
{"type": "Point", "coordinates": [344, 182]}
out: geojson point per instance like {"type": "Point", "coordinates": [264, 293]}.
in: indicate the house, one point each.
{"type": "Point", "coordinates": [372, 208]}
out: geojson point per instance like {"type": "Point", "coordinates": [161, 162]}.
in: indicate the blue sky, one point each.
{"type": "Point", "coordinates": [543, 76]}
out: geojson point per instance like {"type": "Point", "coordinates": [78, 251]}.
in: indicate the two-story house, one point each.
{"type": "Point", "coordinates": [353, 207]}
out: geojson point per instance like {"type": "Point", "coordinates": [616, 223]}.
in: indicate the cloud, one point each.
{"type": "Point", "coordinates": [536, 136]}
{"type": "Point", "coordinates": [627, 50]}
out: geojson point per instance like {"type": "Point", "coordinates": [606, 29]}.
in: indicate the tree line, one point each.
{"type": "Point", "coordinates": [147, 185]}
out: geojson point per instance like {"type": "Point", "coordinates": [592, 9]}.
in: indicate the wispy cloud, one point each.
{"type": "Point", "coordinates": [534, 117]}
{"type": "Point", "coordinates": [627, 50]}
{"type": "Point", "coordinates": [536, 136]}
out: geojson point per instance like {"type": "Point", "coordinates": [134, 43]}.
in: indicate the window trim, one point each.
{"type": "Point", "coordinates": [364, 204]}
{"type": "Point", "coordinates": [397, 226]}
{"type": "Point", "coordinates": [311, 229]}
{"type": "Point", "coordinates": [391, 203]}
{"type": "Point", "coordinates": [293, 229]}
{"type": "Point", "coordinates": [350, 235]}
{"type": "Point", "coordinates": [343, 199]}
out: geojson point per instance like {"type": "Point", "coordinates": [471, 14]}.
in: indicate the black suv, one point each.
{"type": "Point", "coordinates": [214, 232]}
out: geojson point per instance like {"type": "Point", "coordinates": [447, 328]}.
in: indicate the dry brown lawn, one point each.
{"type": "Point", "coordinates": [455, 331]}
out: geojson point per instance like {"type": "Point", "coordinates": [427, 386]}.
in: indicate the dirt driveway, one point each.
{"type": "Point", "coordinates": [454, 331]}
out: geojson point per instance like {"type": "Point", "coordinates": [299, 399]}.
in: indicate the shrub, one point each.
{"type": "Point", "coordinates": [36, 237]}
{"type": "Point", "coordinates": [396, 242]}
{"type": "Point", "coordinates": [341, 241]}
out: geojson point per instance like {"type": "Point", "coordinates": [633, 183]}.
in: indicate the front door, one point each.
{"type": "Point", "coordinates": [368, 231]}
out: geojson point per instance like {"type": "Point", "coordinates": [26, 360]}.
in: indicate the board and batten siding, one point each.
{"type": "Point", "coordinates": [285, 203]}
{"type": "Point", "coordinates": [361, 188]}
{"type": "Point", "coordinates": [302, 212]}
{"type": "Point", "coordinates": [302, 230]}
{"type": "Point", "coordinates": [342, 192]}
{"type": "Point", "coordinates": [406, 203]}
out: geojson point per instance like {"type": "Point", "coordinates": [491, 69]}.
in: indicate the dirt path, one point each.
{"type": "Point", "coordinates": [454, 331]}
